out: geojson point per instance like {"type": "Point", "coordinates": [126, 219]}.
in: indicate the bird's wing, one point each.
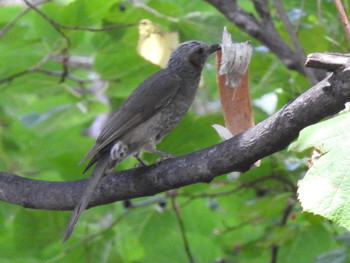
{"type": "Point", "coordinates": [147, 99]}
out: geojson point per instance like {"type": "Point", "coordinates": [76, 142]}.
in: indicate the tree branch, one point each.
{"type": "Point", "coordinates": [287, 211]}
{"type": "Point", "coordinates": [17, 17]}
{"type": "Point", "coordinates": [52, 22]}
{"type": "Point", "coordinates": [299, 51]}
{"type": "Point", "coordinates": [180, 221]}
{"type": "Point", "coordinates": [153, 11]}
{"type": "Point", "coordinates": [34, 68]}
{"type": "Point", "coordinates": [343, 18]}
{"type": "Point", "coordinates": [327, 60]}
{"type": "Point", "coordinates": [237, 154]}
{"type": "Point", "coordinates": [59, 74]}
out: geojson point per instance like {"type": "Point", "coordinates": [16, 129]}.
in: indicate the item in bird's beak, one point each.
{"type": "Point", "coordinates": [234, 60]}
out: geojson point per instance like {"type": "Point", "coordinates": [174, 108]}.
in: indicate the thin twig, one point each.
{"type": "Point", "coordinates": [302, 8]}
{"type": "Point", "coordinates": [65, 37]}
{"type": "Point", "coordinates": [60, 73]}
{"type": "Point", "coordinates": [319, 12]}
{"type": "Point", "coordinates": [58, 26]}
{"type": "Point", "coordinates": [294, 38]}
{"type": "Point", "coordinates": [107, 28]}
{"type": "Point", "coordinates": [244, 185]}
{"type": "Point", "coordinates": [17, 17]}
{"type": "Point", "coordinates": [37, 68]}
{"type": "Point", "coordinates": [287, 211]}
{"type": "Point", "coordinates": [177, 211]}
{"type": "Point", "coordinates": [13, 21]}
{"type": "Point", "coordinates": [29, 7]}
{"type": "Point", "coordinates": [29, 70]}
{"type": "Point", "coordinates": [239, 226]}
{"type": "Point", "coordinates": [153, 11]}
{"type": "Point", "coordinates": [274, 253]}
{"type": "Point", "coordinates": [13, 76]}
{"type": "Point", "coordinates": [343, 18]}
{"type": "Point", "coordinates": [52, 22]}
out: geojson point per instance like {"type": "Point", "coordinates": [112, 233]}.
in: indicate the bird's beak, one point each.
{"type": "Point", "coordinates": [214, 48]}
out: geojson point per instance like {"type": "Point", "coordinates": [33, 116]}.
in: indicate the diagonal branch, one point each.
{"type": "Point", "coordinates": [237, 154]}
{"type": "Point", "coordinates": [153, 11]}
{"type": "Point", "coordinates": [52, 22]}
{"type": "Point", "coordinates": [33, 68]}
{"type": "Point", "coordinates": [343, 18]}
{"type": "Point", "coordinates": [56, 24]}
{"type": "Point", "coordinates": [299, 51]}
{"type": "Point", "coordinates": [59, 31]}
{"type": "Point", "coordinates": [17, 17]}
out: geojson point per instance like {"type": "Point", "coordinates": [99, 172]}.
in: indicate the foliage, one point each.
{"type": "Point", "coordinates": [330, 140]}
{"type": "Point", "coordinates": [41, 136]}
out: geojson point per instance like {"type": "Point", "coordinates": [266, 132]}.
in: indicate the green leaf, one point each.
{"type": "Point", "coordinates": [325, 188]}
{"type": "Point", "coordinates": [324, 136]}
{"type": "Point", "coordinates": [308, 242]}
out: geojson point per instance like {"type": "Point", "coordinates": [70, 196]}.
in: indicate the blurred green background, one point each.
{"type": "Point", "coordinates": [42, 124]}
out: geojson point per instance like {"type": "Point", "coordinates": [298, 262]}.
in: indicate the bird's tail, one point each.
{"type": "Point", "coordinates": [100, 169]}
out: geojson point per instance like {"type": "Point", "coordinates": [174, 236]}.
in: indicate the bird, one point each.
{"type": "Point", "coordinates": [152, 110]}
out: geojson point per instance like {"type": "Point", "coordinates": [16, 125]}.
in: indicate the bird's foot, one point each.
{"type": "Point", "coordinates": [141, 163]}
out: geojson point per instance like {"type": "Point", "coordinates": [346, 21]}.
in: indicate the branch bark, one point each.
{"type": "Point", "coordinates": [237, 154]}
{"type": "Point", "coordinates": [327, 60]}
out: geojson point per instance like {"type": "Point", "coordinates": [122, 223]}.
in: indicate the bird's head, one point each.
{"type": "Point", "coordinates": [190, 55]}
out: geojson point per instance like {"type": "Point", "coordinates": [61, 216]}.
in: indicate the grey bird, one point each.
{"type": "Point", "coordinates": [153, 109]}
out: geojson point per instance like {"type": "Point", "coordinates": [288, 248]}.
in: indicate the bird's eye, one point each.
{"type": "Point", "coordinates": [200, 51]}
{"type": "Point", "coordinates": [197, 56]}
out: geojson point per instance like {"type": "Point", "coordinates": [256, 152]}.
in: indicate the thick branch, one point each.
{"type": "Point", "coordinates": [237, 154]}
